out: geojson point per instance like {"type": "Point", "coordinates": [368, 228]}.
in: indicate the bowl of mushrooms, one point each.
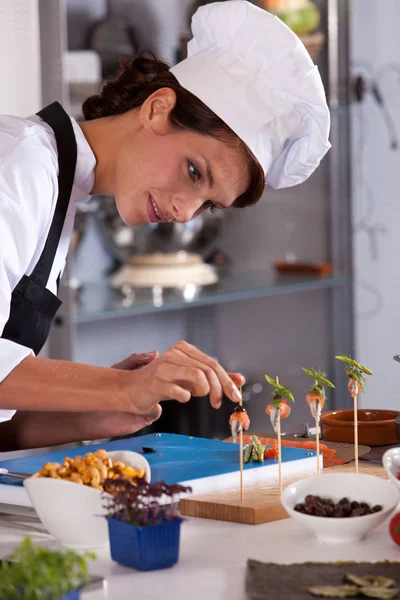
{"type": "Point", "coordinates": [68, 497]}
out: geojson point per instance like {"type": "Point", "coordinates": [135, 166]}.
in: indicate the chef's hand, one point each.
{"type": "Point", "coordinates": [181, 372]}
{"type": "Point", "coordinates": [125, 423]}
{"type": "Point", "coordinates": [37, 429]}
{"type": "Point", "coordinates": [33, 429]}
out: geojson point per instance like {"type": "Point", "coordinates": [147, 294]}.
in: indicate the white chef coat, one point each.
{"type": "Point", "coordinates": [28, 196]}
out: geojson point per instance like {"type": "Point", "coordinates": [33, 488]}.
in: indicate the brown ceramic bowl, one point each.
{"type": "Point", "coordinates": [375, 427]}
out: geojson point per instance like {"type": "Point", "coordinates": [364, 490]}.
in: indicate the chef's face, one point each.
{"type": "Point", "coordinates": [164, 174]}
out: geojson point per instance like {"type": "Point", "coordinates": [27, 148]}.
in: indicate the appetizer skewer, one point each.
{"type": "Point", "coordinates": [316, 399]}
{"type": "Point", "coordinates": [278, 409]}
{"type": "Point", "coordinates": [356, 384]}
{"type": "Point", "coordinates": [238, 421]}
{"type": "Point", "coordinates": [276, 413]}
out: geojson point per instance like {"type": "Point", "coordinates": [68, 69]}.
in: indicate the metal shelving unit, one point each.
{"type": "Point", "coordinates": [342, 336]}
{"type": "Point", "coordinates": [99, 302]}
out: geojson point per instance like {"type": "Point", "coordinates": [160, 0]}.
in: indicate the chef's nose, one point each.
{"type": "Point", "coordinates": [184, 210]}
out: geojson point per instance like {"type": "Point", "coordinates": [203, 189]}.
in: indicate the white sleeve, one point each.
{"type": "Point", "coordinates": [22, 220]}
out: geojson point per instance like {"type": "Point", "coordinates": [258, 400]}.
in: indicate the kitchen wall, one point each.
{"type": "Point", "coordinates": [375, 46]}
{"type": "Point", "coordinates": [20, 80]}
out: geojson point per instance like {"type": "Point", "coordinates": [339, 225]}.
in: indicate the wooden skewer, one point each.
{"type": "Point", "coordinates": [279, 453]}
{"type": "Point", "coordinates": [317, 446]}
{"type": "Point", "coordinates": [317, 442]}
{"type": "Point", "coordinates": [241, 455]}
{"type": "Point", "coordinates": [279, 447]}
{"type": "Point", "coordinates": [356, 433]}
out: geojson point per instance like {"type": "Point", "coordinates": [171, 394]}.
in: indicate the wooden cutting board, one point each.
{"type": "Point", "coordinates": [260, 505]}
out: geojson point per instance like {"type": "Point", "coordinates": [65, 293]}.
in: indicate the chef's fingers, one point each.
{"type": "Point", "coordinates": [229, 388]}
{"type": "Point", "coordinates": [176, 392]}
{"type": "Point", "coordinates": [238, 379]}
{"type": "Point", "coordinates": [202, 379]}
{"type": "Point", "coordinates": [154, 414]}
{"type": "Point", "coordinates": [135, 361]}
{"type": "Point", "coordinates": [189, 376]}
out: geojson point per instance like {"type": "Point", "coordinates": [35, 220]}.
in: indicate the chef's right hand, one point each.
{"type": "Point", "coordinates": [181, 372]}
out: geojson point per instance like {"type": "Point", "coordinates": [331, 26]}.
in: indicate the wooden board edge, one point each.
{"type": "Point", "coordinates": [233, 513]}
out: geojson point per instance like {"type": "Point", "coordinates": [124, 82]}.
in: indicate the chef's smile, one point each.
{"type": "Point", "coordinates": [154, 213]}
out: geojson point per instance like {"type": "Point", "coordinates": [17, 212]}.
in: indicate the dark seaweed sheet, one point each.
{"type": "Point", "coordinates": [269, 581]}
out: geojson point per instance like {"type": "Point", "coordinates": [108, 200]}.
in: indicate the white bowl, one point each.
{"type": "Point", "coordinates": [359, 487]}
{"type": "Point", "coordinates": [391, 462]}
{"type": "Point", "coordinates": [74, 513]}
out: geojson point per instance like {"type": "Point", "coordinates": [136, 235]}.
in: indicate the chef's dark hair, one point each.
{"type": "Point", "coordinates": [140, 78]}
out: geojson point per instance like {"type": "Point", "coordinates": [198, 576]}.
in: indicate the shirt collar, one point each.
{"type": "Point", "coordinates": [85, 164]}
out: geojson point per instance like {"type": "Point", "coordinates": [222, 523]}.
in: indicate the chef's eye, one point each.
{"type": "Point", "coordinates": [194, 173]}
{"type": "Point", "coordinates": [210, 206]}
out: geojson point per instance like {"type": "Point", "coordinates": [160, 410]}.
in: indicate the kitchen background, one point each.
{"type": "Point", "coordinates": [255, 319]}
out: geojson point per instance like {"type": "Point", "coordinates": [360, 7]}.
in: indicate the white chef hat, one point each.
{"type": "Point", "coordinates": [250, 69]}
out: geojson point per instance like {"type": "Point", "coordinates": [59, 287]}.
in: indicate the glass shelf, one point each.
{"type": "Point", "coordinates": [98, 302]}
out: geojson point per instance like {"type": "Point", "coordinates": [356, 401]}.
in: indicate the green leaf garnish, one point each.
{"type": "Point", "coordinates": [280, 389]}
{"type": "Point", "coordinates": [355, 374]}
{"type": "Point", "coordinates": [353, 363]}
{"type": "Point", "coordinates": [319, 376]}
{"type": "Point", "coordinates": [318, 389]}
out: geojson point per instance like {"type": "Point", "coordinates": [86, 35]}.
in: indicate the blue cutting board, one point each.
{"type": "Point", "coordinates": [178, 458]}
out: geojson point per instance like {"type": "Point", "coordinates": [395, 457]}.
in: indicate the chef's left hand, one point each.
{"type": "Point", "coordinates": [118, 424]}
{"type": "Point", "coordinates": [38, 429]}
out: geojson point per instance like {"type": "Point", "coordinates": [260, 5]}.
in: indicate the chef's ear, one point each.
{"type": "Point", "coordinates": [155, 110]}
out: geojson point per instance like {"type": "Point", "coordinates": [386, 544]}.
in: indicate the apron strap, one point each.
{"type": "Point", "coordinates": [55, 116]}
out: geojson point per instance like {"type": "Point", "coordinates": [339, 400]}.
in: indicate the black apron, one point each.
{"type": "Point", "coordinates": [33, 306]}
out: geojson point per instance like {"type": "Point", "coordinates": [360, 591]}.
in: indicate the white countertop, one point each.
{"type": "Point", "coordinates": [213, 559]}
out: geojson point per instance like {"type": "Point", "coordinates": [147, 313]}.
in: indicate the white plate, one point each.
{"type": "Point", "coordinates": [74, 513]}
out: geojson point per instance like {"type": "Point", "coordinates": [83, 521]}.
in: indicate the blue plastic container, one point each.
{"type": "Point", "coordinates": [144, 548]}
{"type": "Point", "coordinates": [75, 595]}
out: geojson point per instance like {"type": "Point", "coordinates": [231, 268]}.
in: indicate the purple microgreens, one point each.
{"type": "Point", "coordinates": [141, 503]}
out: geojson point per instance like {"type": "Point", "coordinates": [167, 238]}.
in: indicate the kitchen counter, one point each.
{"type": "Point", "coordinates": [214, 553]}
{"type": "Point", "coordinates": [213, 559]}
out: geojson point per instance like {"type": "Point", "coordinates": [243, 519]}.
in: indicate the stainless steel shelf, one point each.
{"type": "Point", "coordinates": [98, 302]}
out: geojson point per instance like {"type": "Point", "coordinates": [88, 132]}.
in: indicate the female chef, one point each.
{"type": "Point", "coordinates": [245, 109]}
